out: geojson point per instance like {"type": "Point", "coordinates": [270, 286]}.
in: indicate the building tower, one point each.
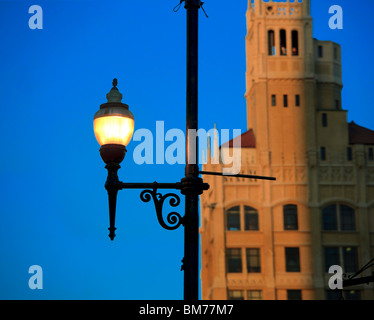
{"type": "Point", "coordinates": [276, 240]}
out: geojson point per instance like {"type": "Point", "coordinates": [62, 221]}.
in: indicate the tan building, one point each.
{"type": "Point", "coordinates": [276, 240]}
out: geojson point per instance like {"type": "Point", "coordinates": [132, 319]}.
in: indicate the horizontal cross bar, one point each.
{"type": "Point", "coordinates": [140, 185]}
{"type": "Point", "coordinates": [237, 175]}
{"type": "Point", "coordinates": [354, 282]}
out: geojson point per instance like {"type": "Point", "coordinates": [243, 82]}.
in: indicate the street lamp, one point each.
{"type": "Point", "coordinates": [114, 126]}
{"type": "Point", "coordinates": [114, 123]}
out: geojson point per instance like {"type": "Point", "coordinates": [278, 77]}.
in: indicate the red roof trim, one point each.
{"type": "Point", "coordinates": [247, 140]}
{"type": "Point", "coordinates": [360, 135]}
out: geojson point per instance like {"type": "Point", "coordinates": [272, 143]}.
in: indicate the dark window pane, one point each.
{"type": "Point", "coordinates": [324, 120]}
{"type": "Point", "coordinates": [283, 42]}
{"type": "Point", "coordinates": [234, 260]}
{"type": "Point", "coordinates": [271, 43]}
{"type": "Point", "coordinates": [235, 295]}
{"type": "Point", "coordinates": [292, 260]}
{"type": "Point", "coordinates": [349, 154]}
{"type": "Point", "coordinates": [329, 218]}
{"type": "Point", "coordinates": [297, 100]}
{"type": "Point", "coordinates": [294, 295]}
{"type": "Point", "coordinates": [233, 219]}
{"type": "Point", "coordinates": [250, 218]}
{"type": "Point", "coordinates": [273, 100]}
{"type": "Point", "coordinates": [371, 154]}
{"type": "Point", "coordinates": [333, 294]}
{"type": "Point", "coordinates": [352, 294]}
{"type": "Point", "coordinates": [350, 259]}
{"type": "Point", "coordinates": [290, 217]}
{"type": "Point", "coordinates": [253, 260]}
{"type": "Point", "coordinates": [331, 257]}
{"type": "Point", "coordinates": [295, 43]}
{"type": "Point", "coordinates": [320, 51]}
{"type": "Point", "coordinates": [337, 104]}
{"type": "Point", "coordinates": [285, 101]}
{"type": "Point", "coordinates": [347, 218]}
{"type": "Point", "coordinates": [254, 295]}
{"type": "Point", "coordinates": [323, 153]}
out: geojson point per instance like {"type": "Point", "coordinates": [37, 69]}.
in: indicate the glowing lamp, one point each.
{"type": "Point", "coordinates": [113, 127]}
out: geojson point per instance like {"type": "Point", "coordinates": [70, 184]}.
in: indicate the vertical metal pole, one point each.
{"type": "Point", "coordinates": [191, 220]}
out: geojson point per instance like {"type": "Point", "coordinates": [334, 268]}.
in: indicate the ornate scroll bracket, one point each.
{"type": "Point", "coordinates": [173, 219]}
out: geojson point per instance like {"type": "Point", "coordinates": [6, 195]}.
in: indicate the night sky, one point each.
{"type": "Point", "coordinates": [53, 208]}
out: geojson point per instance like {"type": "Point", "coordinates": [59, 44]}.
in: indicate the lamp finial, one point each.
{"type": "Point", "coordinates": [114, 95]}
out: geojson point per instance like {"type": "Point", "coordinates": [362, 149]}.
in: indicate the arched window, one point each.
{"type": "Point", "coordinates": [347, 218]}
{"type": "Point", "coordinates": [283, 42]}
{"type": "Point", "coordinates": [329, 218]}
{"type": "Point", "coordinates": [338, 217]}
{"type": "Point", "coordinates": [295, 43]}
{"type": "Point", "coordinates": [233, 219]}
{"type": "Point", "coordinates": [271, 43]}
{"type": "Point", "coordinates": [239, 214]}
{"type": "Point", "coordinates": [250, 219]}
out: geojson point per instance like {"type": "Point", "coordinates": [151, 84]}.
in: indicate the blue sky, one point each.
{"type": "Point", "coordinates": [53, 208]}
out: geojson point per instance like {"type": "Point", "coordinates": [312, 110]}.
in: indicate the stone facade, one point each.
{"type": "Point", "coordinates": [321, 207]}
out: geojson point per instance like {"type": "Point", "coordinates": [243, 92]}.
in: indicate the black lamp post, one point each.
{"type": "Point", "coordinates": [114, 125]}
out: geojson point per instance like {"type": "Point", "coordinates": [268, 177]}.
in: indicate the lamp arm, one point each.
{"type": "Point", "coordinates": [237, 175]}
{"type": "Point", "coordinates": [173, 220]}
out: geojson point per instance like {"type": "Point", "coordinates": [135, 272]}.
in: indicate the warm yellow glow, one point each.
{"type": "Point", "coordinates": [113, 130]}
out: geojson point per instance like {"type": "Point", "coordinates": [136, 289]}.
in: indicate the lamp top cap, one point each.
{"type": "Point", "coordinates": [114, 95]}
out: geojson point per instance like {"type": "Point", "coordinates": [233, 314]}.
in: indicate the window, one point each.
{"type": "Point", "coordinates": [290, 217]}
{"type": "Point", "coordinates": [350, 259]}
{"type": "Point", "coordinates": [273, 100]}
{"type": "Point", "coordinates": [250, 219]}
{"type": "Point", "coordinates": [283, 42]}
{"type": "Point", "coordinates": [338, 217]}
{"type": "Point", "coordinates": [292, 260]}
{"type": "Point", "coordinates": [323, 153]}
{"type": "Point", "coordinates": [234, 260]}
{"type": "Point", "coordinates": [238, 215]}
{"type": "Point", "coordinates": [332, 295]}
{"type": "Point", "coordinates": [253, 260]}
{"type": "Point", "coordinates": [233, 219]}
{"type": "Point", "coordinates": [295, 43]}
{"type": "Point", "coordinates": [347, 294]}
{"type": "Point", "coordinates": [352, 294]}
{"type": "Point", "coordinates": [271, 43]}
{"type": "Point", "coordinates": [337, 104]}
{"type": "Point", "coordinates": [347, 257]}
{"type": "Point", "coordinates": [335, 53]}
{"type": "Point", "coordinates": [329, 218]}
{"type": "Point", "coordinates": [320, 51]}
{"type": "Point", "coordinates": [297, 100]}
{"type": "Point", "coordinates": [324, 120]}
{"type": "Point", "coordinates": [235, 295]}
{"type": "Point", "coordinates": [332, 257]}
{"type": "Point", "coordinates": [371, 154]}
{"type": "Point", "coordinates": [294, 295]}
{"type": "Point", "coordinates": [347, 218]}
{"type": "Point", "coordinates": [349, 154]}
{"type": "Point", "coordinates": [285, 101]}
{"type": "Point", "coordinates": [254, 295]}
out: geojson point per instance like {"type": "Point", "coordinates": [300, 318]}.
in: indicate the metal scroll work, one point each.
{"type": "Point", "coordinates": [173, 219]}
